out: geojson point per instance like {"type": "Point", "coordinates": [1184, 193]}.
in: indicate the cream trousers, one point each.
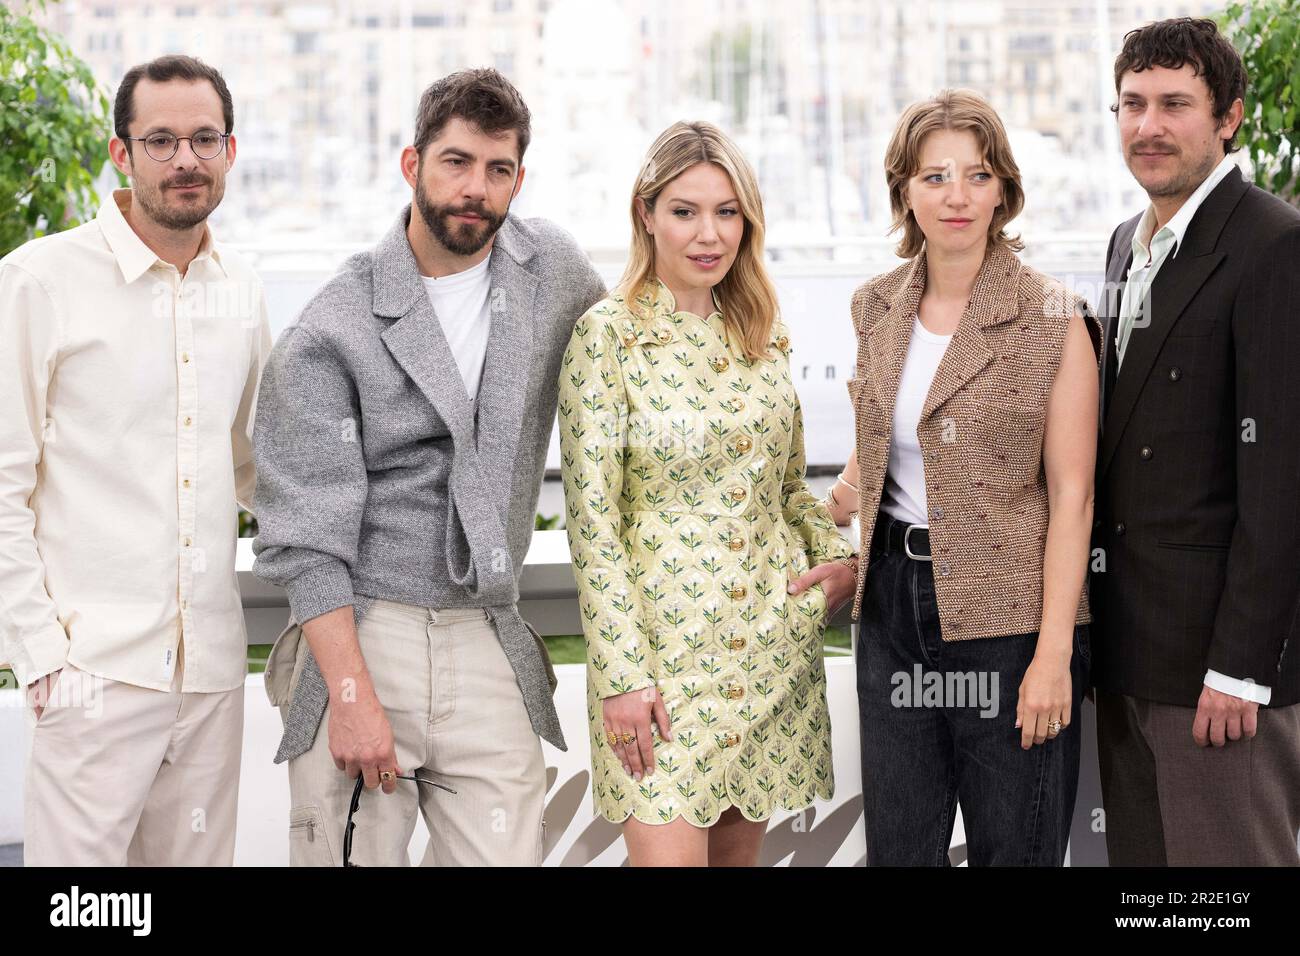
{"type": "Point", "coordinates": [457, 717]}
{"type": "Point", "coordinates": [124, 775]}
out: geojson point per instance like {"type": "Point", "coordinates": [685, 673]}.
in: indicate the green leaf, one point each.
{"type": "Point", "coordinates": [53, 109]}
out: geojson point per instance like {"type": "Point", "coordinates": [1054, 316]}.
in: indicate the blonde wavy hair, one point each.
{"type": "Point", "coordinates": [951, 110]}
{"type": "Point", "coordinates": [746, 293]}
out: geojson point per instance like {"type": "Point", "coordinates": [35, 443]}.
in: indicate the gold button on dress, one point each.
{"type": "Point", "coordinates": [682, 552]}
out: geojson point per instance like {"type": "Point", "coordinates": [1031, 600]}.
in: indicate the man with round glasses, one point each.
{"type": "Point", "coordinates": [131, 350]}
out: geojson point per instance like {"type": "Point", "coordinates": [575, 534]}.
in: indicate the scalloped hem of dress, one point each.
{"type": "Point", "coordinates": [723, 805]}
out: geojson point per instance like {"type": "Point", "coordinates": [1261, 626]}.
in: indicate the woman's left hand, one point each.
{"type": "Point", "coordinates": [837, 581]}
{"type": "Point", "coordinates": [1044, 696]}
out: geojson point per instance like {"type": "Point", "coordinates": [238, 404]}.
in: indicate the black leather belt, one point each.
{"type": "Point", "coordinates": [892, 535]}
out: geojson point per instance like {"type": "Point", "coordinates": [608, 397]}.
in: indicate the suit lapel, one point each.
{"type": "Point", "coordinates": [1175, 285]}
{"type": "Point", "coordinates": [503, 392]}
{"type": "Point", "coordinates": [415, 340]}
{"type": "Point", "coordinates": [476, 534]}
{"type": "Point", "coordinates": [417, 344]}
{"type": "Point", "coordinates": [1121, 257]}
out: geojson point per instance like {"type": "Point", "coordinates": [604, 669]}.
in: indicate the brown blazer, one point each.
{"type": "Point", "coordinates": [981, 431]}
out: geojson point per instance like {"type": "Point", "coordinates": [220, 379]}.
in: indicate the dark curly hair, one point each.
{"type": "Point", "coordinates": [483, 98]}
{"type": "Point", "coordinates": [1173, 44]}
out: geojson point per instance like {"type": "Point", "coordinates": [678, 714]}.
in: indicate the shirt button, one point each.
{"type": "Point", "coordinates": [730, 740]}
{"type": "Point", "coordinates": [187, 542]}
{"type": "Point", "coordinates": [736, 643]}
{"type": "Point", "coordinates": [185, 483]}
{"type": "Point", "coordinates": [737, 493]}
{"type": "Point", "coordinates": [1175, 374]}
{"type": "Point", "coordinates": [735, 692]}
{"type": "Point", "coordinates": [782, 342]}
{"type": "Point", "coordinates": [629, 339]}
{"type": "Point", "coordinates": [1119, 528]}
{"type": "Point", "coordinates": [720, 363]}
{"type": "Point", "coordinates": [744, 443]}
{"type": "Point", "coordinates": [185, 357]}
{"type": "Point", "coordinates": [738, 592]}
{"type": "Point", "coordinates": [188, 420]}
{"type": "Point", "coordinates": [938, 512]}
{"type": "Point", "coordinates": [663, 335]}
{"type": "Point", "coordinates": [1146, 453]}
{"type": "Point", "coordinates": [736, 543]}
{"type": "Point", "coordinates": [944, 569]}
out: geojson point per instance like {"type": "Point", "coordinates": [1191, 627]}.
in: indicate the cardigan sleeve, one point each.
{"type": "Point", "coordinates": [311, 474]}
{"type": "Point", "coordinates": [593, 415]}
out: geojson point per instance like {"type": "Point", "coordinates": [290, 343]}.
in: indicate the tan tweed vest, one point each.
{"type": "Point", "coordinates": [981, 433]}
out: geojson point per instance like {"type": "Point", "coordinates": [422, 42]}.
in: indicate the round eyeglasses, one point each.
{"type": "Point", "coordinates": [205, 144]}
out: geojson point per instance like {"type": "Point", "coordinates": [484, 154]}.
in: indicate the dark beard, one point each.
{"type": "Point", "coordinates": [150, 199]}
{"type": "Point", "coordinates": [458, 239]}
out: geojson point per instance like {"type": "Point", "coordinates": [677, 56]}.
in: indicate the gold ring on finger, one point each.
{"type": "Point", "coordinates": [386, 775]}
{"type": "Point", "coordinates": [1054, 727]}
{"type": "Point", "coordinates": [613, 738]}
{"type": "Point", "coordinates": [629, 738]}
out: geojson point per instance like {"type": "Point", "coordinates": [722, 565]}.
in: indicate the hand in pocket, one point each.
{"type": "Point", "coordinates": [40, 691]}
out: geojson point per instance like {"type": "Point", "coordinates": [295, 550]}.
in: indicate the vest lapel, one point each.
{"type": "Point", "coordinates": [992, 300]}
{"type": "Point", "coordinates": [890, 334]}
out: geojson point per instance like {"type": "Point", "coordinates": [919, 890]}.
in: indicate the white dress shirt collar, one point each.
{"type": "Point", "coordinates": [135, 258]}
{"type": "Point", "coordinates": [1178, 223]}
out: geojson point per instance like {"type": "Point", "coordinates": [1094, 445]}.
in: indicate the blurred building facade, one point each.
{"type": "Point", "coordinates": [325, 95]}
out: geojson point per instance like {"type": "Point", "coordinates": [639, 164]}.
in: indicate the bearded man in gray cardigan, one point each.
{"type": "Point", "coordinates": [401, 435]}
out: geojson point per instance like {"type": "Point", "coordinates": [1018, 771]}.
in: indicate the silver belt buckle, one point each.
{"type": "Point", "coordinates": [907, 543]}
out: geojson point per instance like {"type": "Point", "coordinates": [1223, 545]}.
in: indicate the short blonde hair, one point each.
{"type": "Point", "coordinates": [951, 110]}
{"type": "Point", "coordinates": [746, 292]}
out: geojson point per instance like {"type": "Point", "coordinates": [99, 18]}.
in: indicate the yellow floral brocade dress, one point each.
{"type": "Point", "coordinates": [687, 515]}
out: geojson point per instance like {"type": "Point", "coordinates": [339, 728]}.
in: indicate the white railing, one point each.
{"type": "Point", "coordinates": [829, 834]}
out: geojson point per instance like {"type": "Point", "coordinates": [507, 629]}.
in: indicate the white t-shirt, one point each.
{"type": "Point", "coordinates": [461, 301]}
{"type": "Point", "coordinates": [904, 493]}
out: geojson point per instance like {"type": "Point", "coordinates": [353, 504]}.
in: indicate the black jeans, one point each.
{"type": "Point", "coordinates": [938, 729]}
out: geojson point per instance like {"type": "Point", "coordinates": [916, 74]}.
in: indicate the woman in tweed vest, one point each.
{"type": "Point", "coordinates": [975, 397]}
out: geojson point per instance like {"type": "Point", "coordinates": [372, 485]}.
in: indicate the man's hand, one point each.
{"type": "Point", "coordinates": [1221, 717]}
{"type": "Point", "coordinates": [40, 691]}
{"type": "Point", "coordinates": [361, 740]}
{"type": "Point", "coordinates": [360, 737]}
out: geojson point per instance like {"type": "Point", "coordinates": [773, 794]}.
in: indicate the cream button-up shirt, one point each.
{"type": "Point", "coordinates": [127, 394]}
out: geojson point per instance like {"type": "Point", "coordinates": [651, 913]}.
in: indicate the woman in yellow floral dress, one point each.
{"type": "Point", "coordinates": [704, 565]}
